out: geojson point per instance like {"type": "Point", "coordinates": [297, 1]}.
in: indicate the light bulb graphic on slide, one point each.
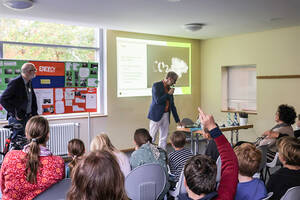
{"type": "Point", "coordinates": [177, 65]}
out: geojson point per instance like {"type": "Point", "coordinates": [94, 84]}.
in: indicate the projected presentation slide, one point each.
{"type": "Point", "coordinates": [140, 63]}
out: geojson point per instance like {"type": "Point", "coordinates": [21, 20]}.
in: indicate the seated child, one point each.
{"type": "Point", "coordinates": [102, 142]}
{"type": "Point", "coordinates": [146, 152]}
{"type": "Point", "coordinates": [97, 176]}
{"type": "Point", "coordinates": [248, 188]}
{"type": "Point", "coordinates": [76, 150]}
{"type": "Point", "coordinates": [28, 172]}
{"type": "Point", "coordinates": [178, 157]}
{"type": "Point", "coordinates": [289, 175]}
{"type": "Point", "coordinates": [200, 171]}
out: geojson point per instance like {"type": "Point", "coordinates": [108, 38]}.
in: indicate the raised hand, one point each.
{"type": "Point", "coordinates": [206, 120]}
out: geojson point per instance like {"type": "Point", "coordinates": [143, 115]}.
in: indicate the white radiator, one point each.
{"type": "Point", "coordinates": [4, 133]}
{"type": "Point", "coordinates": [60, 135]}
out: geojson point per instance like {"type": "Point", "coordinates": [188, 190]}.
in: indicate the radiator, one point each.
{"type": "Point", "coordinates": [60, 135]}
{"type": "Point", "coordinates": [4, 133]}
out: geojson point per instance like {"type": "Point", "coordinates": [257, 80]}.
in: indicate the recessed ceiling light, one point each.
{"type": "Point", "coordinates": [193, 26]}
{"type": "Point", "coordinates": [18, 4]}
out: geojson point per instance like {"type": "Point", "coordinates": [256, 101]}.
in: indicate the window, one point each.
{"type": "Point", "coordinates": [239, 88]}
{"type": "Point", "coordinates": [40, 41]}
{"type": "Point", "coordinates": [16, 30]}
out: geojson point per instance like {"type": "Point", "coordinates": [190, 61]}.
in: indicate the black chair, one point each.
{"type": "Point", "coordinates": [297, 133]}
{"type": "Point", "coordinates": [185, 123]}
{"type": "Point", "coordinates": [57, 191]}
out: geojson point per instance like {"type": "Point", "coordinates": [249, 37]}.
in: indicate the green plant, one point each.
{"type": "Point", "coordinates": [243, 115]}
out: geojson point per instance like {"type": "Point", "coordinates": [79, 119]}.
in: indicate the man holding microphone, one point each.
{"type": "Point", "coordinates": [161, 107]}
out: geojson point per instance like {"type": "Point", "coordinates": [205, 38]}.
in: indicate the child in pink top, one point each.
{"type": "Point", "coordinates": [28, 172]}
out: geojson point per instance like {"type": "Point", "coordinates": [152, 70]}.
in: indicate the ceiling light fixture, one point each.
{"type": "Point", "coordinates": [193, 26]}
{"type": "Point", "coordinates": [18, 4]}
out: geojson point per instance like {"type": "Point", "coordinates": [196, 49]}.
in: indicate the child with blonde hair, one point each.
{"type": "Point", "coordinates": [102, 142]}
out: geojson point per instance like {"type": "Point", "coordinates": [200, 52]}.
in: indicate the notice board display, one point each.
{"type": "Point", "coordinates": [60, 87]}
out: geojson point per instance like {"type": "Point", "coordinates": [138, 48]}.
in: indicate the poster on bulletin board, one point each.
{"type": "Point", "coordinates": [81, 74]}
{"type": "Point", "coordinates": [60, 87]}
{"type": "Point", "coordinates": [66, 100]}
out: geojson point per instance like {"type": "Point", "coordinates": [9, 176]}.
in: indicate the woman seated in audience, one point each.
{"type": "Point", "coordinates": [289, 175]}
{"type": "Point", "coordinates": [102, 142]}
{"type": "Point", "coordinates": [97, 177]}
{"type": "Point", "coordinates": [28, 172]}
{"type": "Point", "coordinates": [249, 159]}
{"type": "Point", "coordinates": [146, 152]}
{"type": "Point", "coordinates": [76, 150]}
{"type": "Point", "coordinates": [285, 117]}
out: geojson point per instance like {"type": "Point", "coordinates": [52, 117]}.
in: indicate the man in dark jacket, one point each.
{"type": "Point", "coordinates": [161, 107]}
{"type": "Point", "coordinates": [19, 99]}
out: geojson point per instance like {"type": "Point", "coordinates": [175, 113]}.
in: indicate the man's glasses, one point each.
{"type": "Point", "coordinates": [32, 70]}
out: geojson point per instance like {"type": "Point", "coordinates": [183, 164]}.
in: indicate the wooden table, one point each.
{"type": "Point", "coordinates": [198, 131]}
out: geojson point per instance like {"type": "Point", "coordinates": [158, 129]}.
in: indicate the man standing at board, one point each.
{"type": "Point", "coordinates": [19, 99]}
{"type": "Point", "coordinates": [160, 108]}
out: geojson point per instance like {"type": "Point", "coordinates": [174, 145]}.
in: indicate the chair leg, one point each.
{"type": "Point", "coordinates": [262, 175]}
{"type": "Point", "coordinates": [266, 173]}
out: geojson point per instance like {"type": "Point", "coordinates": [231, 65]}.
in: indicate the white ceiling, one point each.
{"type": "Point", "coordinates": [164, 17]}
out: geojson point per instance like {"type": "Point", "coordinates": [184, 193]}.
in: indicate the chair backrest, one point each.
{"type": "Point", "coordinates": [57, 191]}
{"type": "Point", "coordinates": [270, 194]}
{"type": "Point", "coordinates": [292, 193]}
{"type": "Point", "coordinates": [187, 121]}
{"type": "Point", "coordinates": [219, 167]}
{"type": "Point", "coordinates": [145, 182]}
{"type": "Point", "coordinates": [274, 162]}
{"type": "Point", "coordinates": [263, 162]}
{"type": "Point", "coordinates": [180, 188]}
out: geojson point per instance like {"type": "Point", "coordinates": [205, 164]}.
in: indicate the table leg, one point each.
{"type": "Point", "coordinates": [192, 143]}
{"type": "Point", "coordinates": [236, 136]}
{"type": "Point", "coordinates": [231, 138]}
{"type": "Point", "coordinates": [197, 144]}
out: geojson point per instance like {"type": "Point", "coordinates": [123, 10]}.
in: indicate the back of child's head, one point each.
{"type": "Point", "coordinates": [200, 173]}
{"type": "Point", "coordinates": [289, 150]}
{"type": "Point", "coordinates": [37, 132]}
{"type": "Point", "coordinates": [75, 149]}
{"type": "Point", "coordinates": [102, 142]}
{"type": "Point", "coordinates": [97, 176]}
{"type": "Point", "coordinates": [178, 139]}
{"type": "Point", "coordinates": [249, 158]}
{"type": "Point", "coordinates": [142, 136]}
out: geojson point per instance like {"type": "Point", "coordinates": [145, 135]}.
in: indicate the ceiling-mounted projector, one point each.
{"type": "Point", "coordinates": [18, 4]}
{"type": "Point", "coordinates": [193, 26]}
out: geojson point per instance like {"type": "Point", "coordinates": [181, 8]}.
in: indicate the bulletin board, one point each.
{"type": "Point", "coordinates": [60, 87]}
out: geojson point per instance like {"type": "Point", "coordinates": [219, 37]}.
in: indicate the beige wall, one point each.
{"type": "Point", "coordinates": [275, 52]}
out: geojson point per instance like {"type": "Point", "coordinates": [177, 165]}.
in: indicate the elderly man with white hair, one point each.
{"type": "Point", "coordinates": [19, 99]}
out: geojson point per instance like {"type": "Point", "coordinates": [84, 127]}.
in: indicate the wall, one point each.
{"type": "Point", "coordinates": [273, 52]}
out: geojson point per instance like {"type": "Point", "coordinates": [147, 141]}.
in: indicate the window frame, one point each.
{"type": "Point", "coordinates": [100, 56]}
{"type": "Point", "coordinates": [225, 89]}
